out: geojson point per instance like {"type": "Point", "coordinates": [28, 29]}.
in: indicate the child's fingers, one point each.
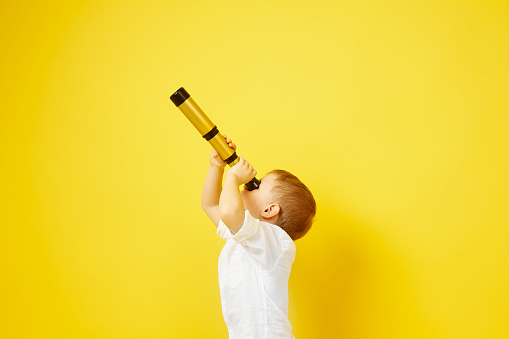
{"type": "Point", "coordinates": [229, 142]}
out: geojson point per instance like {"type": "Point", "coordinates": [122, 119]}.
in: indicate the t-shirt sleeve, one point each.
{"type": "Point", "coordinates": [264, 242]}
{"type": "Point", "coordinates": [247, 230]}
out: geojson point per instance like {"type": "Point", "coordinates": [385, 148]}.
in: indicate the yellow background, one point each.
{"type": "Point", "coordinates": [394, 113]}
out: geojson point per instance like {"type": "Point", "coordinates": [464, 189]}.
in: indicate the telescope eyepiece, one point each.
{"type": "Point", "coordinates": [179, 96]}
{"type": "Point", "coordinates": [253, 184]}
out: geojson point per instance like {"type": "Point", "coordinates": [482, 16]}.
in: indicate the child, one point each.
{"type": "Point", "coordinates": [259, 228]}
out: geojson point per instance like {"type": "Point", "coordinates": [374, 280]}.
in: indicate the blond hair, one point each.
{"type": "Point", "coordinates": [297, 205]}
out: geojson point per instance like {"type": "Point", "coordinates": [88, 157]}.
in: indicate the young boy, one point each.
{"type": "Point", "coordinates": [259, 228]}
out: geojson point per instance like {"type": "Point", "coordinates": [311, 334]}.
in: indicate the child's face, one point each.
{"type": "Point", "coordinates": [257, 200]}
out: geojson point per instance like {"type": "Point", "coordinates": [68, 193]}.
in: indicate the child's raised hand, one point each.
{"type": "Point", "coordinates": [215, 158]}
{"type": "Point", "coordinates": [243, 171]}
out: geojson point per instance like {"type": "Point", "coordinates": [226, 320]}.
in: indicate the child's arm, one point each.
{"type": "Point", "coordinates": [212, 186]}
{"type": "Point", "coordinates": [231, 206]}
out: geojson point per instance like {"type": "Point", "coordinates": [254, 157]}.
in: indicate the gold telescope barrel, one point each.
{"type": "Point", "coordinates": [207, 130]}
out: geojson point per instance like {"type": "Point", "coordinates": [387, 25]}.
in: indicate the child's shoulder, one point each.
{"type": "Point", "coordinates": [277, 232]}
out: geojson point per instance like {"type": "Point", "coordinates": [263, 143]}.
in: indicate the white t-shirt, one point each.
{"type": "Point", "coordinates": [254, 267]}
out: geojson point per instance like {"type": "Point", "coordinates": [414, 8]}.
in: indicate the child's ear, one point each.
{"type": "Point", "coordinates": [270, 211]}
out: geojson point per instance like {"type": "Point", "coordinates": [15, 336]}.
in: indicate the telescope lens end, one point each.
{"type": "Point", "coordinates": [179, 96]}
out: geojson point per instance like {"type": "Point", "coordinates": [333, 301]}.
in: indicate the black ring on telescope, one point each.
{"type": "Point", "coordinates": [231, 158]}
{"type": "Point", "coordinates": [210, 134]}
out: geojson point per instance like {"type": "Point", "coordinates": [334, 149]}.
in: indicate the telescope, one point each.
{"type": "Point", "coordinates": [208, 130]}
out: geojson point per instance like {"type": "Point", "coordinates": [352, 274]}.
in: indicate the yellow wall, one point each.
{"type": "Point", "coordinates": [394, 113]}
